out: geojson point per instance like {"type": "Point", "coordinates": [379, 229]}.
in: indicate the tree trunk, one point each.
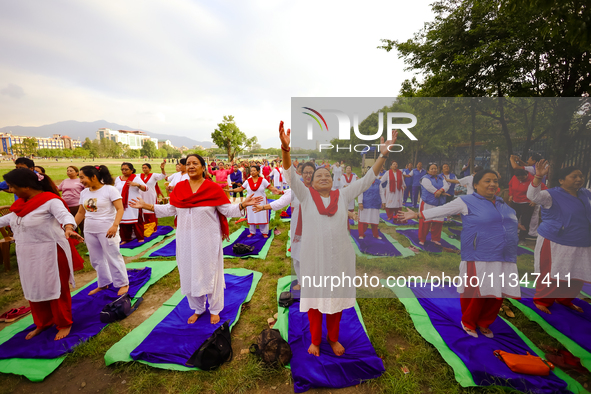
{"type": "Point", "coordinates": [473, 136]}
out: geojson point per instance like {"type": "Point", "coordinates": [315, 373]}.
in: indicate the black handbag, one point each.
{"type": "Point", "coordinates": [286, 299]}
{"type": "Point", "coordinates": [272, 348]}
{"type": "Point", "coordinates": [239, 248]}
{"type": "Point", "coordinates": [216, 350]}
{"type": "Point", "coordinates": [119, 309]}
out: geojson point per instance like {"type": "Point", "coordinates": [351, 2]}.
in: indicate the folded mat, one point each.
{"type": "Point", "coordinates": [359, 363]}
{"type": "Point", "coordinates": [134, 248]}
{"type": "Point", "coordinates": [286, 215]}
{"type": "Point", "coordinates": [384, 217]}
{"type": "Point", "coordinates": [37, 369]}
{"type": "Point", "coordinates": [373, 247]}
{"type": "Point", "coordinates": [437, 314]}
{"type": "Point", "coordinates": [413, 236]}
{"type": "Point", "coordinates": [261, 244]}
{"type": "Point", "coordinates": [569, 327]}
{"type": "Point", "coordinates": [520, 250]}
{"type": "Point", "coordinates": [166, 341]}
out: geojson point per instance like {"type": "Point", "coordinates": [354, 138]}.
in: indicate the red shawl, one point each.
{"type": "Point", "coordinates": [125, 190]}
{"type": "Point", "coordinates": [255, 186]}
{"type": "Point", "coordinates": [22, 208]}
{"type": "Point", "coordinates": [348, 179]}
{"type": "Point", "coordinates": [280, 175]}
{"type": "Point", "coordinates": [146, 178]}
{"type": "Point", "coordinates": [395, 184]}
{"type": "Point", "coordinates": [332, 207]}
{"type": "Point", "coordinates": [209, 195]}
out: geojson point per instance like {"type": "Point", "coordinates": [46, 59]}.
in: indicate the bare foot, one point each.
{"type": "Point", "coordinates": [378, 237]}
{"type": "Point", "coordinates": [422, 243]}
{"type": "Point", "coordinates": [35, 332]}
{"type": "Point", "coordinates": [436, 243]}
{"type": "Point", "coordinates": [314, 350]}
{"type": "Point", "coordinates": [123, 290]}
{"type": "Point", "coordinates": [575, 307]}
{"type": "Point", "coordinates": [123, 243]}
{"type": "Point", "coordinates": [265, 235]}
{"type": "Point", "coordinates": [141, 242]}
{"type": "Point", "coordinates": [297, 287]}
{"type": "Point", "coordinates": [249, 235]}
{"type": "Point", "coordinates": [337, 348]}
{"type": "Point", "coordinates": [64, 332]}
{"type": "Point", "coordinates": [543, 308]}
{"type": "Point", "coordinates": [91, 292]}
{"type": "Point", "coordinates": [193, 318]}
{"type": "Point", "coordinates": [214, 319]}
{"type": "Point", "coordinates": [361, 237]}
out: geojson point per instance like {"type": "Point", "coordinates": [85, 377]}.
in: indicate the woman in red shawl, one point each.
{"type": "Point", "coordinates": [392, 191]}
{"type": "Point", "coordinates": [201, 208]}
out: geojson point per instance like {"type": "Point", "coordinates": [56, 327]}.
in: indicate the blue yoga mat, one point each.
{"type": "Point", "coordinates": [374, 246]}
{"type": "Point", "coordinates": [162, 230]}
{"type": "Point", "coordinates": [257, 240]}
{"type": "Point", "coordinates": [168, 250]}
{"type": "Point", "coordinates": [384, 217]}
{"type": "Point", "coordinates": [443, 308]}
{"type": "Point", "coordinates": [86, 316]}
{"type": "Point", "coordinates": [359, 362]}
{"type": "Point", "coordinates": [413, 235]}
{"type": "Point", "coordinates": [173, 340]}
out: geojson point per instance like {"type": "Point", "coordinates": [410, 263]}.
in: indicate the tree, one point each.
{"type": "Point", "coordinates": [229, 137]}
{"type": "Point", "coordinates": [92, 147]}
{"type": "Point", "coordinates": [149, 149]}
{"type": "Point", "coordinates": [81, 152]}
{"type": "Point", "coordinates": [27, 148]}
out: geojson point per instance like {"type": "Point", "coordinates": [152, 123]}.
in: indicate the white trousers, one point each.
{"type": "Point", "coordinates": [106, 259]}
{"type": "Point", "coordinates": [216, 303]}
{"type": "Point", "coordinates": [296, 268]}
{"type": "Point", "coordinates": [535, 222]}
{"type": "Point", "coordinates": [263, 227]}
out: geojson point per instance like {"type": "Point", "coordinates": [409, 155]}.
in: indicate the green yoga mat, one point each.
{"type": "Point", "coordinates": [147, 245]}
{"type": "Point", "coordinates": [262, 254]}
{"type": "Point", "coordinates": [120, 352]}
{"type": "Point", "coordinates": [37, 370]}
{"type": "Point", "coordinates": [405, 252]}
{"type": "Point", "coordinates": [282, 323]}
{"type": "Point", "coordinates": [423, 325]}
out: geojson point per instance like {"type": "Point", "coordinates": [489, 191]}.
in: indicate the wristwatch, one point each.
{"type": "Point", "coordinates": [382, 155]}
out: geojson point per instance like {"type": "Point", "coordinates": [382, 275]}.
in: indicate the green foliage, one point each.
{"type": "Point", "coordinates": [149, 149]}
{"type": "Point", "coordinates": [27, 148]}
{"type": "Point", "coordinates": [229, 137]}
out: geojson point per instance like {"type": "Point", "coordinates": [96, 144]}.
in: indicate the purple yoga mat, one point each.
{"type": "Point", "coordinates": [587, 288]}
{"type": "Point", "coordinates": [443, 308]}
{"type": "Point", "coordinates": [359, 363]}
{"type": "Point", "coordinates": [374, 246]}
{"type": "Point", "coordinates": [413, 235]}
{"type": "Point", "coordinates": [168, 250]}
{"type": "Point", "coordinates": [86, 316]}
{"type": "Point", "coordinates": [411, 222]}
{"type": "Point", "coordinates": [162, 230]}
{"type": "Point", "coordinates": [257, 240]}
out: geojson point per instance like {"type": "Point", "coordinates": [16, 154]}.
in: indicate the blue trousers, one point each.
{"type": "Point", "coordinates": [416, 191]}
{"type": "Point", "coordinates": [407, 193]}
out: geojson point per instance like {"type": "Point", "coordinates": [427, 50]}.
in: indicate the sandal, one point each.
{"type": "Point", "coordinates": [5, 314]}
{"type": "Point", "coordinates": [15, 315]}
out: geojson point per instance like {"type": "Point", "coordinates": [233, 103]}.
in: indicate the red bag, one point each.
{"type": "Point", "coordinates": [526, 364]}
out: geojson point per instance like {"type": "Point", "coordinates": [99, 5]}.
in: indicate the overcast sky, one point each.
{"type": "Point", "coordinates": [177, 66]}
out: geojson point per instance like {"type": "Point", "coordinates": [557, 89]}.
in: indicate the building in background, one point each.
{"type": "Point", "coordinates": [161, 143]}
{"type": "Point", "coordinates": [133, 138]}
{"type": "Point", "coordinates": [57, 141]}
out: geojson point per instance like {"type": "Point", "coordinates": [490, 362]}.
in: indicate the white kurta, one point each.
{"type": "Point", "coordinates": [252, 217]}
{"type": "Point", "coordinates": [328, 250]}
{"type": "Point", "coordinates": [345, 184]}
{"type": "Point", "coordinates": [392, 200]}
{"type": "Point", "coordinates": [130, 215]}
{"type": "Point", "coordinates": [431, 189]}
{"type": "Point", "coordinates": [199, 253]}
{"type": "Point", "coordinates": [575, 260]}
{"type": "Point", "coordinates": [499, 288]}
{"type": "Point", "coordinates": [149, 196]}
{"type": "Point", "coordinates": [368, 215]}
{"type": "Point", "coordinates": [36, 236]}
{"type": "Point", "coordinates": [277, 171]}
{"type": "Point", "coordinates": [337, 181]}
{"type": "Point", "coordinates": [282, 201]}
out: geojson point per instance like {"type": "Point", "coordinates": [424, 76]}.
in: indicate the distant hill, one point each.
{"type": "Point", "coordinates": [82, 130]}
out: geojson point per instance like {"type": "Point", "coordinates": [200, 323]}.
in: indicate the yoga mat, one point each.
{"type": "Point", "coordinates": [373, 248]}
{"type": "Point", "coordinates": [37, 369]}
{"type": "Point", "coordinates": [261, 245]}
{"type": "Point", "coordinates": [569, 327]}
{"type": "Point", "coordinates": [121, 351]}
{"type": "Point", "coordinates": [288, 217]}
{"type": "Point", "coordinates": [168, 249]}
{"type": "Point", "coordinates": [359, 363]}
{"type": "Point", "coordinates": [438, 321]}
{"type": "Point", "coordinates": [134, 248]}
{"type": "Point", "coordinates": [384, 217]}
{"type": "Point", "coordinates": [413, 236]}
{"type": "Point", "coordinates": [586, 290]}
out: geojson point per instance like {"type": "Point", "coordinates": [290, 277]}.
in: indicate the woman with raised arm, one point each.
{"type": "Point", "coordinates": [150, 196]}
{"type": "Point", "coordinates": [489, 250]}
{"type": "Point", "coordinates": [130, 186]}
{"type": "Point", "coordinates": [563, 248]}
{"type": "Point", "coordinates": [328, 249]}
{"type": "Point", "coordinates": [201, 208]}
{"type": "Point", "coordinates": [38, 220]}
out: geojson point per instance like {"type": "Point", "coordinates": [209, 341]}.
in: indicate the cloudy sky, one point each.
{"type": "Point", "coordinates": [176, 67]}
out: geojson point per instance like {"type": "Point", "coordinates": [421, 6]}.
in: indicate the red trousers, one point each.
{"type": "Point", "coordinates": [426, 226]}
{"type": "Point", "coordinates": [392, 213]}
{"type": "Point", "coordinates": [332, 326]}
{"type": "Point", "coordinates": [363, 226]}
{"type": "Point", "coordinates": [563, 292]}
{"type": "Point", "coordinates": [59, 311]}
{"type": "Point", "coordinates": [150, 218]}
{"type": "Point", "coordinates": [477, 311]}
{"type": "Point", "coordinates": [126, 229]}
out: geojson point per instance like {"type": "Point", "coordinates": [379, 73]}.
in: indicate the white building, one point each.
{"type": "Point", "coordinates": [161, 143]}
{"type": "Point", "coordinates": [134, 138]}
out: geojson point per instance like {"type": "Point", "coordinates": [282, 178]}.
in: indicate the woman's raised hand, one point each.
{"type": "Point", "coordinates": [408, 215]}
{"type": "Point", "coordinates": [284, 136]}
{"type": "Point", "coordinates": [542, 168]}
{"type": "Point", "coordinates": [137, 203]}
{"type": "Point", "coordinates": [258, 208]}
{"type": "Point", "coordinates": [251, 200]}
{"type": "Point", "coordinates": [384, 145]}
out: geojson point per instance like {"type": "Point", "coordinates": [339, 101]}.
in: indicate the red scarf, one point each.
{"type": "Point", "coordinates": [125, 190]}
{"type": "Point", "coordinates": [332, 207]}
{"type": "Point", "coordinates": [208, 195]}
{"type": "Point", "coordinates": [398, 181]}
{"type": "Point", "coordinates": [146, 178]}
{"type": "Point", "coordinates": [255, 186]}
{"type": "Point", "coordinates": [280, 176]}
{"type": "Point", "coordinates": [349, 178]}
{"type": "Point", "coordinates": [22, 208]}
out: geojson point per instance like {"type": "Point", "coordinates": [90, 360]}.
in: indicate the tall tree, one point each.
{"type": "Point", "coordinates": [149, 149]}
{"type": "Point", "coordinates": [229, 137]}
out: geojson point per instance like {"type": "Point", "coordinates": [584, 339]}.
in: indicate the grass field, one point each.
{"type": "Point", "coordinates": [389, 326]}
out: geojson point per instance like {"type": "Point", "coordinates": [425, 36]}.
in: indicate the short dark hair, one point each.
{"type": "Point", "coordinates": [74, 168]}
{"type": "Point", "coordinates": [129, 165]}
{"type": "Point", "coordinates": [28, 162]}
{"type": "Point", "coordinates": [480, 174]}
{"type": "Point", "coordinates": [566, 171]}
{"type": "Point", "coordinates": [520, 172]}
{"type": "Point", "coordinates": [147, 165]}
{"type": "Point", "coordinates": [308, 164]}
{"type": "Point", "coordinates": [184, 161]}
